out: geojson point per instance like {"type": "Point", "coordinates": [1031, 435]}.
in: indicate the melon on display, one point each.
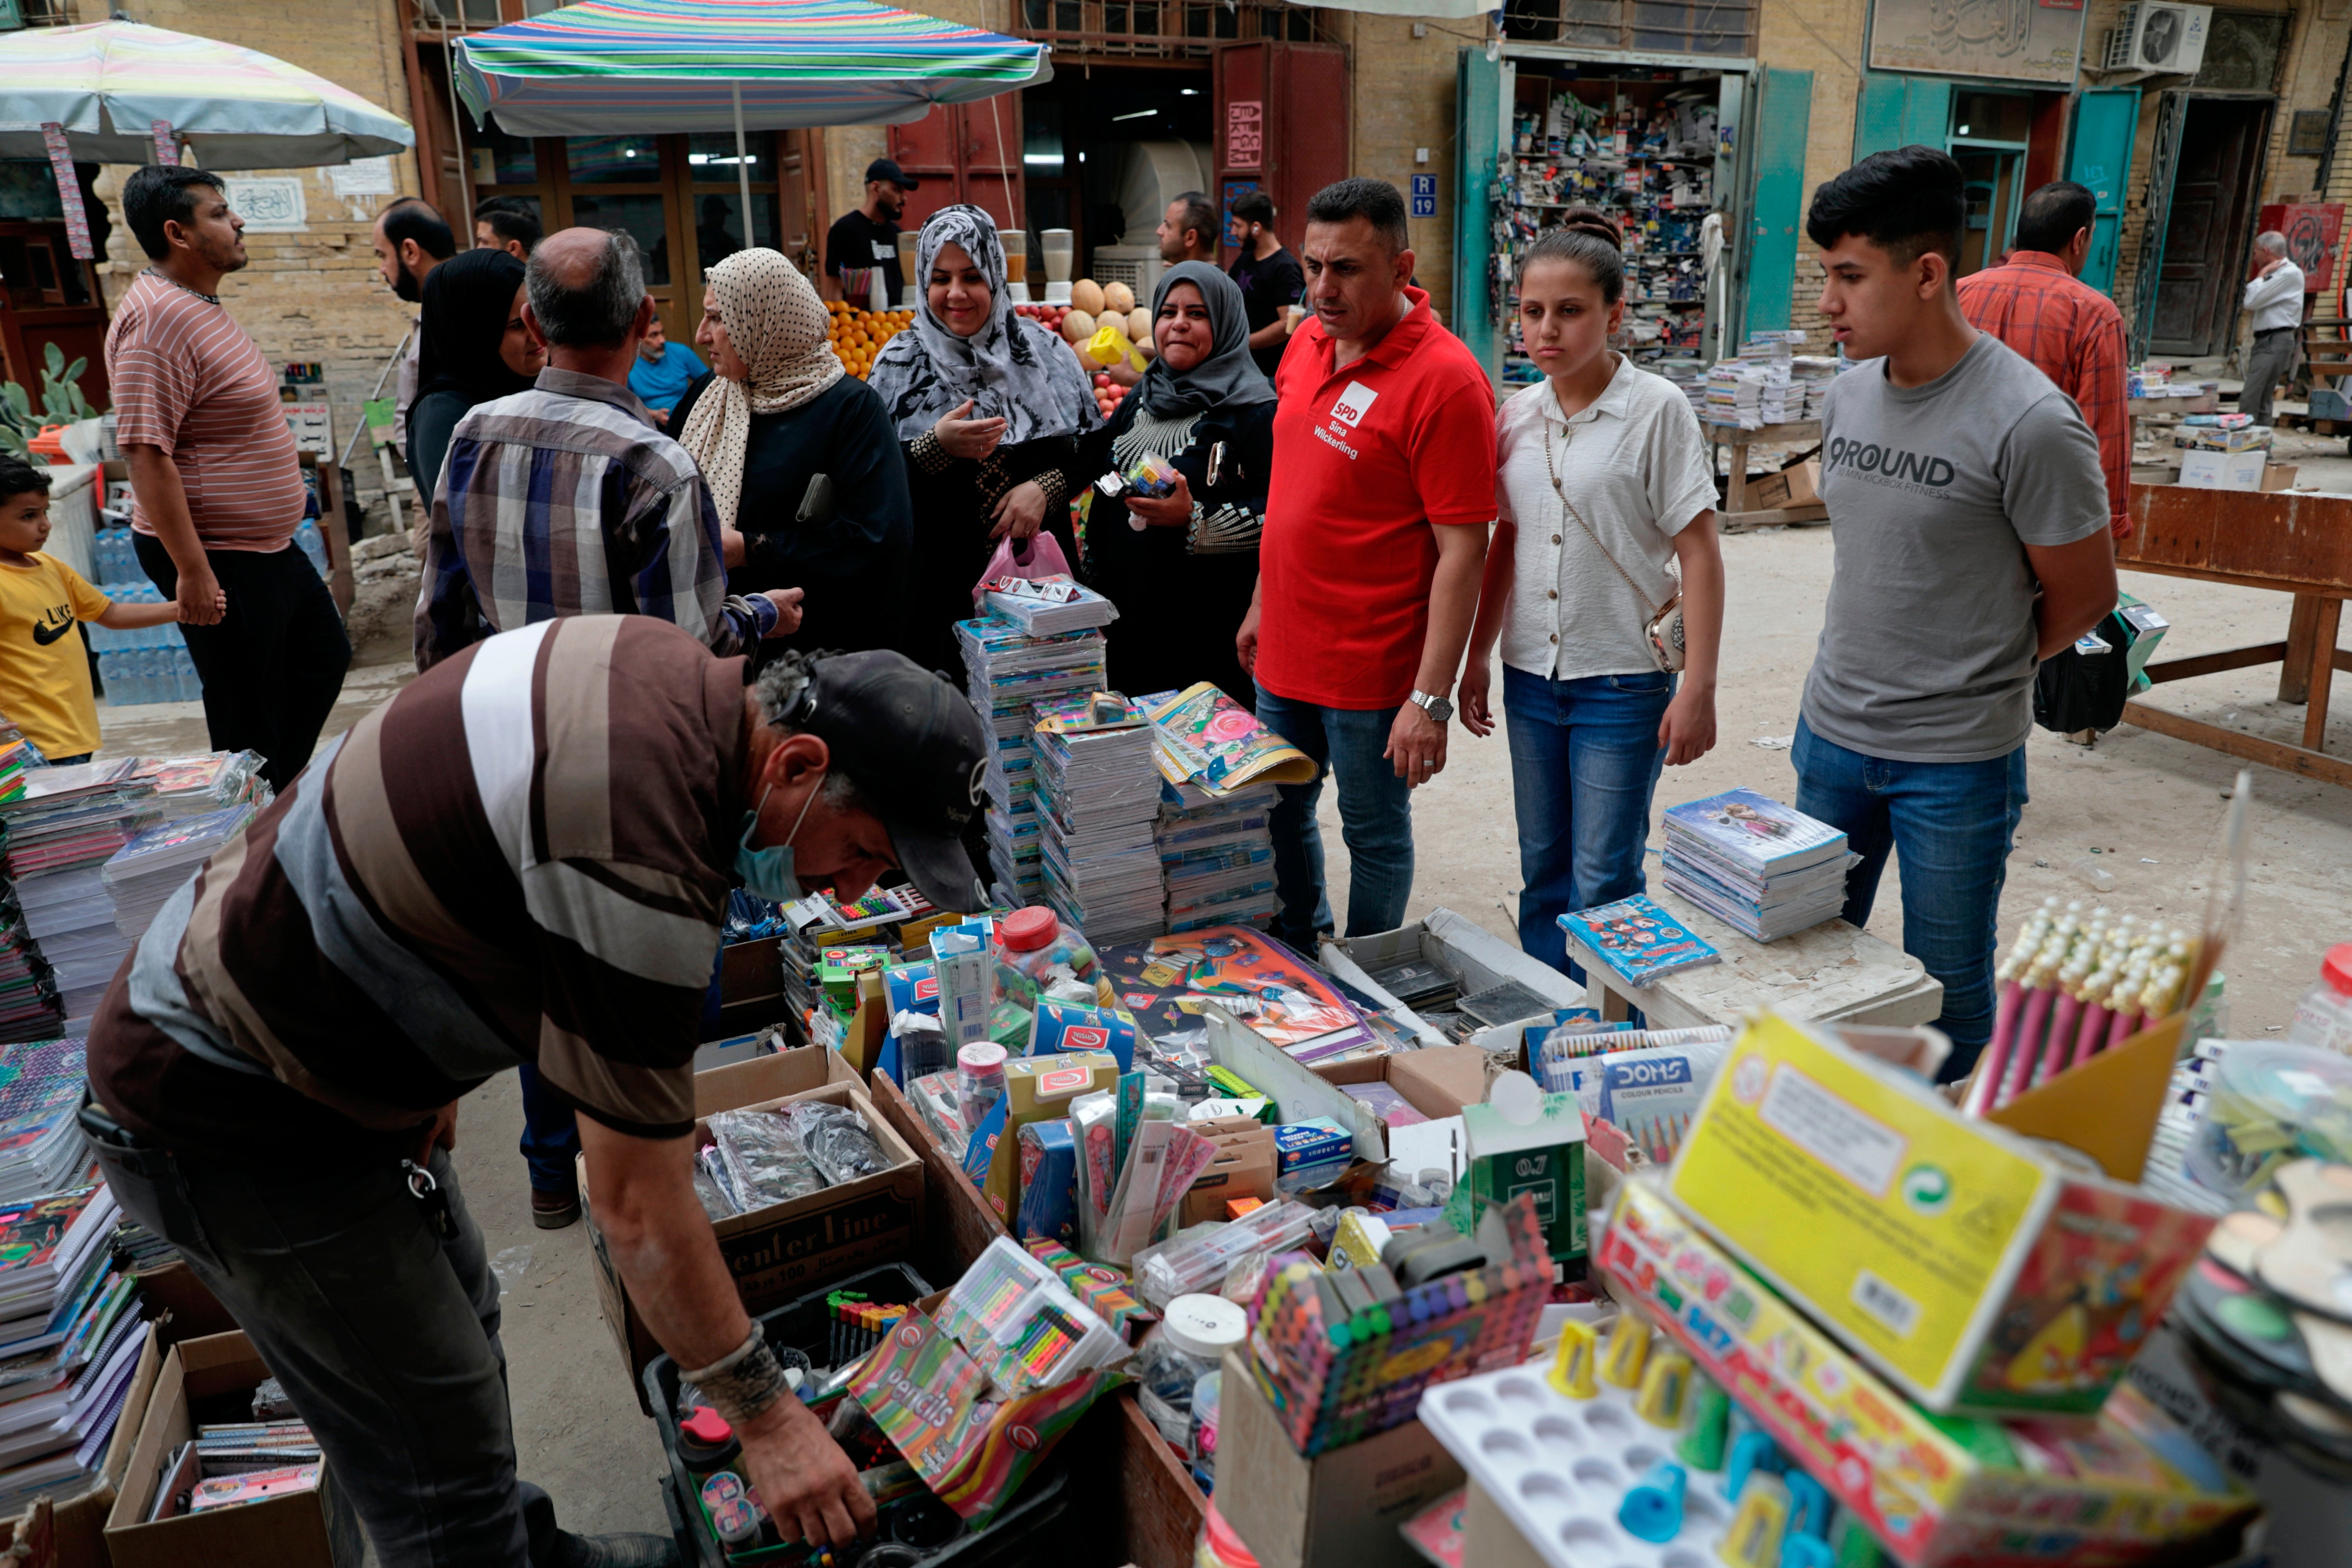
{"type": "Point", "coordinates": [1086, 295]}
{"type": "Point", "coordinates": [1077, 325]}
{"type": "Point", "coordinates": [1138, 325]}
{"type": "Point", "coordinates": [1119, 296]}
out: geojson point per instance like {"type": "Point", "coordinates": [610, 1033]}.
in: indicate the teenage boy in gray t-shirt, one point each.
{"type": "Point", "coordinates": [1969, 517]}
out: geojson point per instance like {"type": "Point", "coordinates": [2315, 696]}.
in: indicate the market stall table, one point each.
{"type": "Point", "coordinates": [1735, 518]}
{"type": "Point", "coordinates": [1834, 972]}
{"type": "Point", "coordinates": [2292, 543]}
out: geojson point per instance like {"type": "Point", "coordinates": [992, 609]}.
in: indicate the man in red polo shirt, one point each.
{"type": "Point", "coordinates": [2037, 304]}
{"type": "Point", "coordinates": [1376, 527]}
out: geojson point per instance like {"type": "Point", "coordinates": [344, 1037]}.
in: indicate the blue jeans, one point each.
{"type": "Point", "coordinates": [1375, 821]}
{"type": "Point", "coordinates": [550, 1135]}
{"type": "Point", "coordinates": [1952, 824]}
{"type": "Point", "coordinates": [1584, 765]}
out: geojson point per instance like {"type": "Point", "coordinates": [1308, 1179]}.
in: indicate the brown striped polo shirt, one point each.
{"type": "Point", "coordinates": [186, 378]}
{"type": "Point", "coordinates": [523, 856]}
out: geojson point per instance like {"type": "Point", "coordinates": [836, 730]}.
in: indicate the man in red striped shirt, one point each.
{"type": "Point", "coordinates": [217, 488]}
{"type": "Point", "coordinates": [2071, 333]}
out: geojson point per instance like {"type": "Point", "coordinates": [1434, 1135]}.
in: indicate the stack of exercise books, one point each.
{"type": "Point", "coordinates": [1049, 607]}
{"type": "Point", "coordinates": [30, 1008]}
{"type": "Point", "coordinates": [17, 758]}
{"type": "Point", "coordinates": [1098, 799]}
{"type": "Point", "coordinates": [1216, 856]}
{"type": "Point", "coordinates": [1763, 868]}
{"type": "Point", "coordinates": [1008, 673]}
{"type": "Point", "coordinates": [144, 873]}
{"type": "Point", "coordinates": [193, 786]}
{"type": "Point", "coordinates": [41, 1145]}
{"type": "Point", "coordinates": [67, 822]}
{"type": "Point", "coordinates": [69, 1338]}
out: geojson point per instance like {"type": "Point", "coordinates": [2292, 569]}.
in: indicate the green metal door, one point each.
{"type": "Point", "coordinates": [1777, 158]}
{"type": "Point", "coordinates": [2100, 157]}
{"type": "Point", "coordinates": [1481, 102]}
{"type": "Point", "coordinates": [1899, 111]}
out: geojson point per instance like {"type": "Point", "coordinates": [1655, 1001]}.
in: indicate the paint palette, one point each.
{"type": "Point", "coordinates": [1560, 1467]}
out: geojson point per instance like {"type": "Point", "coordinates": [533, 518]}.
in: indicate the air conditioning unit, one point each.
{"type": "Point", "coordinates": [2149, 36]}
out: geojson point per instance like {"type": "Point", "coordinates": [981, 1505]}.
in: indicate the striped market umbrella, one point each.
{"type": "Point", "coordinates": [608, 65]}
{"type": "Point", "coordinates": [115, 89]}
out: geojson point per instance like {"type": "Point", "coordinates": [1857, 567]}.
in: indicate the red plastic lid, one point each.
{"type": "Point", "coordinates": [2337, 968]}
{"type": "Point", "coordinates": [1226, 1544]}
{"type": "Point", "coordinates": [708, 1427]}
{"type": "Point", "coordinates": [1026, 931]}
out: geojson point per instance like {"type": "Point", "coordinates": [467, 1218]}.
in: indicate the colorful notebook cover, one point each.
{"type": "Point", "coordinates": [1216, 745]}
{"type": "Point", "coordinates": [1278, 995]}
{"type": "Point", "coordinates": [1639, 941]}
{"type": "Point", "coordinates": [1756, 831]}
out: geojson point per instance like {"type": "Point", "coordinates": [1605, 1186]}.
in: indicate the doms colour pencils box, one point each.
{"type": "Point", "coordinates": [1978, 1271]}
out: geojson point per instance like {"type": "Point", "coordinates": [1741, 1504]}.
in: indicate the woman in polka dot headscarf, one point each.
{"type": "Point", "coordinates": [777, 414]}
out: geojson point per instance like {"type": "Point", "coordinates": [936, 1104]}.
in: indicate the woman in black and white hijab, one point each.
{"type": "Point", "coordinates": [989, 406]}
{"type": "Point", "coordinates": [1181, 568]}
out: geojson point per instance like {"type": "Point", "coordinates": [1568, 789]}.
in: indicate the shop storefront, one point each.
{"type": "Point", "coordinates": [1699, 159]}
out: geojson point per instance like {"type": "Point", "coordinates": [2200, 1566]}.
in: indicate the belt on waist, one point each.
{"type": "Point", "coordinates": [2271, 332]}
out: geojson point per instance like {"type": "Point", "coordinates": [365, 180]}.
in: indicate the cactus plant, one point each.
{"type": "Point", "coordinates": [62, 402]}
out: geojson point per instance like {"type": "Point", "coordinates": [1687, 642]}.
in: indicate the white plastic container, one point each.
{"type": "Point", "coordinates": [1189, 1343]}
{"type": "Point", "coordinates": [2325, 1017]}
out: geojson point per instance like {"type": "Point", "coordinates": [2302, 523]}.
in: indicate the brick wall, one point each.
{"type": "Point", "coordinates": [312, 294]}
{"type": "Point", "coordinates": [1403, 92]}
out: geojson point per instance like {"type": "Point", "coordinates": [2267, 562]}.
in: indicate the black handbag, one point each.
{"type": "Point", "coordinates": [2074, 690]}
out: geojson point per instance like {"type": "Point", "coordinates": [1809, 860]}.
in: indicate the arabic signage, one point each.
{"type": "Point", "coordinates": [2011, 40]}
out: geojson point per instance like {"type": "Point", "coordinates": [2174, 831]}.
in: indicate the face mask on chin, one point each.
{"type": "Point", "coordinates": [768, 873]}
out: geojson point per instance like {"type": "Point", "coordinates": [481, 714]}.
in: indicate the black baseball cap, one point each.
{"type": "Point", "coordinates": [917, 751]}
{"type": "Point", "coordinates": [888, 169]}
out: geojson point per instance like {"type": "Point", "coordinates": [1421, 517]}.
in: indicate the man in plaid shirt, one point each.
{"type": "Point", "coordinates": [2069, 331]}
{"type": "Point", "coordinates": [566, 499]}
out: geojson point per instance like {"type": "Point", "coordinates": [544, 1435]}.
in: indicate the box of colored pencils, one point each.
{"type": "Point", "coordinates": [1341, 1357]}
{"type": "Point", "coordinates": [1099, 1285]}
{"type": "Point", "coordinates": [1978, 1271]}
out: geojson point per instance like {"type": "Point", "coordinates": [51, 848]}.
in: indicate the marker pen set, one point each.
{"type": "Point", "coordinates": [1022, 1325]}
{"type": "Point", "coordinates": [857, 1325]}
{"type": "Point", "coordinates": [2072, 986]}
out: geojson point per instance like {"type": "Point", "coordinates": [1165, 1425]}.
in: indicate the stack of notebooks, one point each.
{"type": "Point", "coordinates": [193, 786]}
{"type": "Point", "coordinates": [1216, 855]}
{"type": "Point", "coordinates": [16, 757]}
{"type": "Point", "coordinates": [1639, 941]}
{"type": "Point", "coordinates": [1049, 607]}
{"type": "Point", "coordinates": [1760, 868]}
{"type": "Point", "coordinates": [30, 1008]}
{"type": "Point", "coordinates": [41, 1144]}
{"type": "Point", "coordinates": [145, 872]}
{"type": "Point", "coordinates": [1098, 799]}
{"type": "Point", "coordinates": [65, 826]}
{"type": "Point", "coordinates": [1008, 673]}
{"type": "Point", "coordinates": [71, 1328]}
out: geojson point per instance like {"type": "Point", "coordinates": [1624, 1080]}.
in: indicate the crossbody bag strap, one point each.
{"type": "Point", "coordinates": [1569, 508]}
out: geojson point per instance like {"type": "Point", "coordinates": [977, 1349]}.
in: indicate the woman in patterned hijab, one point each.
{"type": "Point", "coordinates": [776, 415]}
{"type": "Point", "coordinates": [988, 405]}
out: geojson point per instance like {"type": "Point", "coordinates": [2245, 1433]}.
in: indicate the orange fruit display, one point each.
{"type": "Point", "coordinates": [857, 335]}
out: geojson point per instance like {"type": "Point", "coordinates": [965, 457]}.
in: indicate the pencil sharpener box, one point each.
{"type": "Point", "coordinates": [1936, 1490]}
{"type": "Point", "coordinates": [1978, 1271]}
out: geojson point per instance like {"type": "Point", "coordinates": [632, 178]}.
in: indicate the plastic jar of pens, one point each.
{"type": "Point", "coordinates": [1188, 1343]}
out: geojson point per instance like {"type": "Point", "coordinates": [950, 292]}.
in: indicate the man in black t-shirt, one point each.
{"type": "Point", "coordinates": [1269, 277]}
{"type": "Point", "coordinates": [869, 236]}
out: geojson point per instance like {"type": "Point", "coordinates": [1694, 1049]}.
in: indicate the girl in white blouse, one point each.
{"type": "Point", "coordinates": [1604, 485]}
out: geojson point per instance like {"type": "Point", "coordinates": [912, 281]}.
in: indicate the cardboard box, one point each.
{"type": "Point", "coordinates": [773, 1076]}
{"type": "Point", "coordinates": [1914, 1481]}
{"type": "Point", "coordinates": [1973, 1269]}
{"type": "Point", "coordinates": [1243, 1168]}
{"type": "Point", "coordinates": [2279, 476]}
{"type": "Point", "coordinates": [2222, 470]}
{"type": "Point", "coordinates": [1475, 956]}
{"type": "Point", "coordinates": [1543, 1158]}
{"type": "Point", "coordinates": [1037, 1088]}
{"type": "Point", "coordinates": [1339, 1510]}
{"type": "Point", "coordinates": [304, 1530]}
{"type": "Point", "coordinates": [1797, 485]}
{"type": "Point", "coordinates": [784, 1251]}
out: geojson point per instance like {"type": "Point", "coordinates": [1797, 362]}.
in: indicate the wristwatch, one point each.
{"type": "Point", "coordinates": [1437, 707]}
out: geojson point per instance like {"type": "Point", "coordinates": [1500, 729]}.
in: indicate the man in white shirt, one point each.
{"type": "Point", "coordinates": [2274, 300]}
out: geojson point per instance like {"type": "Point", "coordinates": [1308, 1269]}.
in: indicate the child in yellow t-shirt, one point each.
{"type": "Point", "coordinates": [44, 672]}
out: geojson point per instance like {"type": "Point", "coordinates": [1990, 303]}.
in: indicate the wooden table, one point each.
{"type": "Point", "coordinates": [1735, 518]}
{"type": "Point", "coordinates": [1833, 972]}
{"type": "Point", "coordinates": [2292, 543]}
